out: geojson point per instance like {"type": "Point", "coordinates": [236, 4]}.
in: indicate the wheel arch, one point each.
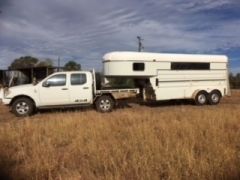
{"type": "Point", "coordinates": [105, 94]}
{"type": "Point", "coordinates": [217, 90]}
{"type": "Point", "coordinates": [22, 96]}
{"type": "Point", "coordinates": [197, 91]}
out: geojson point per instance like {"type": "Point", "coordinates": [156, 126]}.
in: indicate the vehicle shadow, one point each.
{"type": "Point", "coordinates": [64, 110]}
{"type": "Point", "coordinates": [7, 164]}
{"type": "Point", "coordinates": [121, 104]}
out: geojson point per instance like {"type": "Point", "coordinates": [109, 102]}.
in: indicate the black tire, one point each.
{"type": "Point", "coordinates": [214, 97]}
{"type": "Point", "coordinates": [23, 107]}
{"type": "Point", "coordinates": [104, 104]}
{"type": "Point", "coordinates": [201, 98]}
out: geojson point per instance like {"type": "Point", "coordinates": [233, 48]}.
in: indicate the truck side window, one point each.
{"type": "Point", "coordinates": [138, 66]}
{"type": "Point", "coordinates": [78, 79]}
{"type": "Point", "coordinates": [57, 80]}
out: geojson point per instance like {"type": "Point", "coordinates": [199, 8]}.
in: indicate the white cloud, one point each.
{"type": "Point", "coordinates": [88, 28]}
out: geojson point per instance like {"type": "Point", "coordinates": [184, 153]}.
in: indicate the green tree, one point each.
{"type": "Point", "coordinates": [24, 62]}
{"type": "Point", "coordinates": [234, 80]}
{"type": "Point", "coordinates": [72, 66]}
{"type": "Point", "coordinates": [29, 62]}
{"type": "Point", "coordinates": [45, 63]}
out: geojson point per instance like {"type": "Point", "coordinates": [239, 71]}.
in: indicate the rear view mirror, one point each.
{"type": "Point", "coordinates": [46, 84]}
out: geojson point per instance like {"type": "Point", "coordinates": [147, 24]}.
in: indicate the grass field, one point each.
{"type": "Point", "coordinates": [140, 142]}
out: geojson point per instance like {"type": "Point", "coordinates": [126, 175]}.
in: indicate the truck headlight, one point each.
{"type": "Point", "coordinates": [1, 95]}
{"type": "Point", "coordinates": [6, 92]}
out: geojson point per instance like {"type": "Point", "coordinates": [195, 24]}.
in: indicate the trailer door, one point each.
{"type": "Point", "coordinates": [171, 85]}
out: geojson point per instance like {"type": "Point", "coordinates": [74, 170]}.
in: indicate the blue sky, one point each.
{"type": "Point", "coordinates": [83, 30]}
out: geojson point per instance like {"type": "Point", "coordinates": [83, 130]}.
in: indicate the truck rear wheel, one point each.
{"type": "Point", "coordinates": [104, 104]}
{"type": "Point", "coordinates": [23, 107]}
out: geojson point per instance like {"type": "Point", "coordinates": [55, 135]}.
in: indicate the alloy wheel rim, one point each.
{"type": "Point", "coordinates": [22, 108]}
{"type": "Point", "coordinates": [215, 98]}
{"type": "Point", "coordinates": [105, 105]}
{"type": "Point", "coordinates": [201, 98]}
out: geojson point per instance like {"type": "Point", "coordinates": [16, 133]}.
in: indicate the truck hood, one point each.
{"type": "Point", "coordinates": [19, 90]}
{"type": "Point", "coordinates": [21, 87]}
{"type": "Point", "coordinates": [1, 94]}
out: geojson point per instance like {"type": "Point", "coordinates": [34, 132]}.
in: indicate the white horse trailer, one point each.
{"type": "Point", "coordinates": [203, 78]}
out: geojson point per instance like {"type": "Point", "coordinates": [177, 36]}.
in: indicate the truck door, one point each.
{"type": "Point", "coordinates": [81, 91]}
{"type": "Point", "coordinates": [54, 91]}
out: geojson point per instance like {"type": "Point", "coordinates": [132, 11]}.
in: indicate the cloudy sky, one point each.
{"type": "Point", "coordinates": [83, 30]}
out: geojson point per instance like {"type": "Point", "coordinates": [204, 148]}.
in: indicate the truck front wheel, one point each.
{"type": "Point", "coordinates": [104, 104]}
{"type": "Point", "coordinates": [22, 107]}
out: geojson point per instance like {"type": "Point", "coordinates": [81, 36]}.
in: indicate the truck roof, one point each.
{"type": "Point", "coordinates": [70, 72]}
{"type": "Point", "coordinates": [148, 56]}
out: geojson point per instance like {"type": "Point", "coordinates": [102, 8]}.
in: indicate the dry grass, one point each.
{"type": "Point", "coordinates": [164, 142]}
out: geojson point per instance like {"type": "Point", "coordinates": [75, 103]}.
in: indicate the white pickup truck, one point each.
{"type": "Point", "coordinates": [67, 89]}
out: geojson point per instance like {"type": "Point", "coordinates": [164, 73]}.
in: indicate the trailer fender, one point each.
{"type": "Point", "coordinates": [196, 92]}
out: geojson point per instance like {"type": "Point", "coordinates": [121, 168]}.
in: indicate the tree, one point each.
{"type": "Point", "coordinates": [45, 63]}
{"type": "Point", "coordinates": [72, 66]}
{"type": "Point", "coordinates": [24, 62]}
{"type": "Point", "coordinates": [234, 80]}
{"type": "Point", "coordinates": [29, 62]}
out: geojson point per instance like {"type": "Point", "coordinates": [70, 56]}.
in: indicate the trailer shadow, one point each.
{"type": "Point", "coordinates": [123, 104]}
{"type": "Point", "coordinates": [154, 104]}
{"type": "Point", "coordinates": [168, 103]}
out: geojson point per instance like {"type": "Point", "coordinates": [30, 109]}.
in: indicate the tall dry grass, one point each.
{"type": "Point", "coordinates": [166, 142]}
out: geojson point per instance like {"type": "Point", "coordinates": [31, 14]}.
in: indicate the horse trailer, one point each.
{"type": "Point", "coordinates": [203, 78]}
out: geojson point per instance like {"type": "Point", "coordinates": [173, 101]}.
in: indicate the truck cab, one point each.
{"type": "Point", "coordinates": [58, 89]}
{"type": "Point", "coordinates": [65, 88]}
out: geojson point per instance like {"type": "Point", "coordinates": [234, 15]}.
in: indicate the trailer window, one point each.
{"type": "Point", "coordinates": [189, 66]}
{"type": "Point", "coordinates": [138, 66]}
{"type": "Point", "coordinates": [78, 79]}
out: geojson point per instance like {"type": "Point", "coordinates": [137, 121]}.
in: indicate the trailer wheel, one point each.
{"type": "Point", "coordinates": [104, 104]}
{"type": "Point", "coordinates": [22, 107]}
{"type": "Point", "coordinates": [201, 98]}
{"type": "Point", "coordinates": [214, 97]}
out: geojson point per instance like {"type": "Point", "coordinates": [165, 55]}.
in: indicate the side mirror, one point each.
{"type": "Point", "coordinates": [46, 84]}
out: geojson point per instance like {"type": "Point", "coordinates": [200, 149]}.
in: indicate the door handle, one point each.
{"type": "Point", "coordinates": [64, 89]}
{"type": "Point", "coordinates": [85, 87]}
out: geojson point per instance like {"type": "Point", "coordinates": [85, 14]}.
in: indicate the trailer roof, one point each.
{"type": "Point", "coordinates": [147, 56]}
